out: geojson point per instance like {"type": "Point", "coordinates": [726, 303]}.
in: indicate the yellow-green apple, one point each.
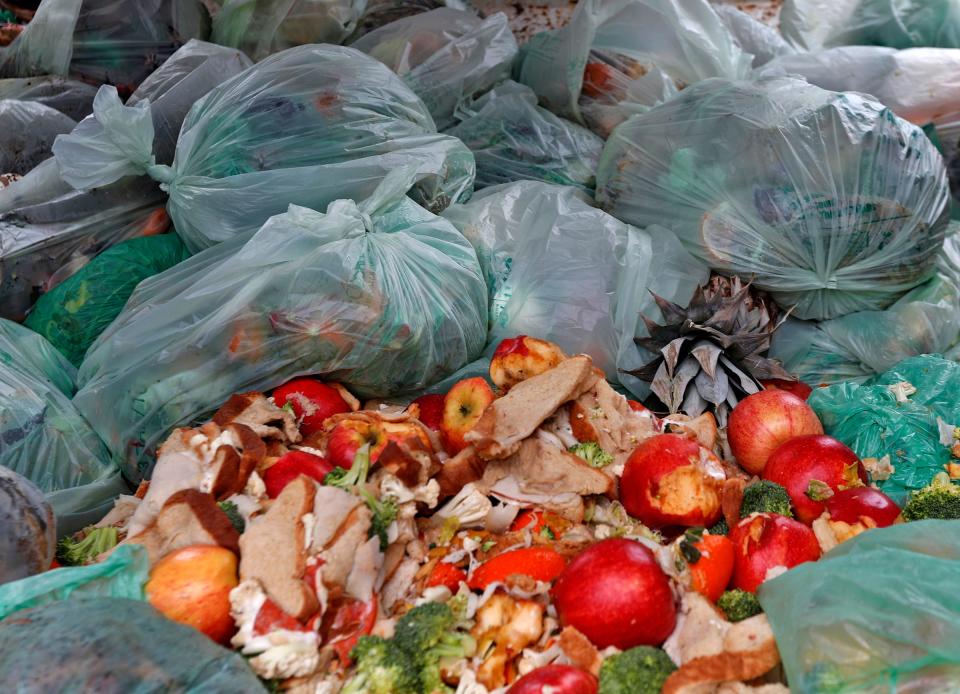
{"type": "Point", "coordinates": [462, 408]}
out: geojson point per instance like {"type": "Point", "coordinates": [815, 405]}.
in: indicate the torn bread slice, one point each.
{"type": "Point", "coordinates": [273, 549]}
{"type": "Point", "coordinates": [542, 468]}
{"type": "Point", "coordinates": [604, 416]}
{"type": "Point", "coordinates": [189, 517]}
{"type": "Point", "coordinates": [259, 413]}
{"type": "Point", "coordinates": [509, 420]}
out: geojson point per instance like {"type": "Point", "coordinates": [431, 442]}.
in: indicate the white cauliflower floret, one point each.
{"type": "Point", "coordinates": [391, 487]}
{"type": "Point", "coordinates": [469, 685]}
{"type": "Point", "coordinates": [293, 659]}
{"type": "Point", "coordinates": [469, 507]}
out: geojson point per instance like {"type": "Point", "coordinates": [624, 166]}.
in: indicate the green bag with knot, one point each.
{"type": "Point", "coordinates": [74, 313]}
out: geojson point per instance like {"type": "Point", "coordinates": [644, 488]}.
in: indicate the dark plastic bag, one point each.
{"type": "Point", "coordinates": [878, 614]}
{"type": "Point", "coordinates": [114, 645]}
{"type": "Point", "coordinates": [513, 139]}
{"type": "Point", "coordinates": [28, 528]}
{"type": "Point", "coordinates": [826, 200]}
{"type": "Point", "coordinates": [379, 13]}
{"type": "Point", "coordinates": [76, 311]}
{"type": "Point", "coordinates": [27, 131]}
{"type": "Point", "coordinates": [870, 420]}
{"type": "Point", "coordinates": [385, 298]}
{"type": "Point", "coordinates": [48, 230]}
{"type": "Point", "coordinates": [71, 97]}
{"type": "Point", "coordinates": [103, 41]}
{"type": "Point", "coordinates": [305, 126]}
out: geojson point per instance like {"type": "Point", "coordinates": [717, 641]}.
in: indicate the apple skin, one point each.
{"type": "Point", "coordinates": [431, 410]}
{"type": "Point", "coordinates": [803, 459]}
{"type": "Point", "coordinates": [290, 466]}
{"type": "Point", "coordinates": [561, 679]}
{"type": "Point", "coordinates": [348, 436]}
{"type": "Point", "coordinates": [521, 357]}
{"type": "Point", "coordinates": [615, 594]}
{"type": "Point", "coordinates": [798, 388]}
{"type": "Point", "coordinates": [763, 541]}
{"type": "Point", "coordinates": [665, 482]}
{"type": "Point", "coordinates": [850, 505]}
{"type": "Point", "coordinates": [762, 421]}
{"type": "Point", "coordinates": [312, 401]}
{"type": "Point", "coordinates": [462, 408]}
{"type": "Point", "coordinates": [192, 586]}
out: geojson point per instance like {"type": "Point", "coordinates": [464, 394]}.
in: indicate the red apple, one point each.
{"type": "Point", "coordinates": [192, 586]}
{"type": "Point", "coordinates": [672, 480]}
{"type": "Point", "coordinates": [798, 388]}
{"type": "Point", "coordinates": [519, 358]}
{"type": "Point", "coordinates": [462, 408]}
{"type": "Point", "coordinates": [290, 466]}
{"type": "Point", "coordinates": [820, 460]}
{"type": "Point", "coordinates": [349, 435]}
{"type": "Point", "coordinates": [555, 679]}
{"type": "Point", "coordinates": [852, 505]}
{"type": "Point", "coordinates": [312, 401]}
{"type": "Point", "coordinates": [763, 421]}
{"type": "Point", "coordinates": [764, 544]}
{"type": "Point", "coordinates": [615, 594]}
{"type": "Point", "coordinates": [431, 410]}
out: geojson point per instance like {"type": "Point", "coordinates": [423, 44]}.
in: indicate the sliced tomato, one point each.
{"type": "Point", "coordinates": [540, 522]}
{"type": "Point", "coordinates": [540, 563]}
{"type": "Point", "coordinates": [596, 79]}
{"type": "Point", "coordinates": [271, 618]}
{"type": "Point", "coordinates": [345, 621]}
{"type": "Point", "coordinates": [712, 571]}
{"type": "Point", "coordinates": [446, 574]}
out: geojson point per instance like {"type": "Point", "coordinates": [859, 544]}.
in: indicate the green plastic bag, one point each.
{"type": "Point", "coordinates": [870, 420]}
{"type": "Point", "coordinates": [876, 615]}
{"type": "Point", "coordinates": [826, 200]}
{"type": "Point", "coordinates": [114, 645]}
{"type": "Point", "coordinates": [44, 438]}
{"type": "Point", "coordinates": [306, 127]}
{"type": "Point", "coordinates": [560, 269]}
{"type": "Point", "coordinates": [861, 345]}
{"type": "Point", "coordinates": [263, 27]}
{"type": "Point", "coordinates": [103, 41]}
{"type": "Point", "coordinates": [639, 53]}
{"type": "Point", "coordinates": [76, 311]}
{"type": "Point", "coordinates": [446, 56]}
{"type": "Point", "coordinates": [813, 24]}
{"type": "Point", "coordinates": [384, 297]}
{"type": "Point", "coordinates": [513, 139]}
{"type": "Point", "coordinates": [122, 575]}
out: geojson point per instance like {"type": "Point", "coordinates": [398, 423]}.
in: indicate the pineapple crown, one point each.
{"type": "Point", "coordinates": [710, 354]}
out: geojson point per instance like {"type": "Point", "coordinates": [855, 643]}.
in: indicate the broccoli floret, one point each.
{"type": "Point", "coordinates": [382, 668]}
{"type": "Point", "coordinates": [352, 480]}
{"type": "Point", "coordinates": [384, 513]}
{"type": "Point", "coordinates": [356, 476]}
{"type": "Point", "coordinates": [96, 541]}
{"type": "Point", "coordinates": [233, 514]}
{"type": "Point", "coordinates": [940, 499]}
{"type": "Point", "coordinates": [428, 633]}
{"type": "Point", "coordinates": [640, 670]}
{"type": "Point", "coordinates": [765, 497]}
{"type": "Point", "coordinates": [592, 454]}
{"type": "Point", "coordinates": [721, 528]}
{"type": "Point", "coordinates": [739, 605]}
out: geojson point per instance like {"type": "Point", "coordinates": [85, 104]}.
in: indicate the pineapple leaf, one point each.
{"type": "Point", "coordinates": [762, 367]}
{"type": "Point", "coordinates": [672, 313]}
{"type": "Point", "coordinates": [746, 383]}
{"type": "Point", "coordinates": [707, 354]}
{"type": "Point", "coordinates": [673, 354]}
{"type": "Point", "coordinates": [713, 389]}
{"type": "Point", "coordinates": [686, 372]}
{"type": "Point", "coordinates": [693, 404]}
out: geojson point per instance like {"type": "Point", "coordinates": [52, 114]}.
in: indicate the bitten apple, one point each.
{"type": "Point", "coordinates": [431, 410]}
{"type": "Point", "coordinates": [312, 401]}
{"type": "Point", "coordinates": [615, 594]}
{"type": "Point", "coordinates": [672, 480]}
{"type": "Point", "coordinates": [767, 544]}
{"type": "Point", "coordinates": [811, 469]}
{"type": "Point", "coordinates": [555, 679]}
{"type": "Point", "coordinates": [349, 435]}
{"type": "Point", "coordinates": [192, 586]}
{"type": "Point", "coordinates": [763, 421]}
{"type": "Point", "coordinates": [290, 466]}
{"type": "Point", "coordinates": [462, 408]}
{"type": "Point", "coordinates": [519, 358]}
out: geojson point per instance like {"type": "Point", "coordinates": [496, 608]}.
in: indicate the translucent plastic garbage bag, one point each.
{"type": "Point", "coordinates": [305, 127]}
{"type": "Point", "coordinates": [27, 131]}
{"type": "Point", "coordinates": [71, 97]}
{"type": "Point", "coordinates": [48, 230]}
{"type": "Point", "coordinates": [28, 533]}
{"type": "Point", "coordinates": [620, 57]}
{"type": "Point", "coordinates": [860, 345]}
{"type": "Point", "coordinates": [760, 40]}
{"type": "Point", "coordinates": [114, 644]}
{"type": "Point", "coordinates": [513, 139]}
{"type": "Point", "coordinates": [446, 56]}
{"type": "Point", "coordinates": [263, 27]}
{"type": "Point", "coordinates": [827, 200]}
{"type": "Point", "coordinates": [873, 422]}
{"type": "Point", "coordinates": [43, 437]}
{"type": "Point", "coordinates": [76, 311]}
{"type": "Point", "coordinates": [813, 24]}
{"type": "Point", "coordinates": [564, 271]}
{"type": "Point", "coordinates": [384, 298]}
{"type": "Point", "coordinates": [103, 41]}
{"type": "Point", "coordinates": [378, 13]}
{"type": "Point", "coordinates": [121, 575]}
{"type": "Point", "coordinates": [878, 614]}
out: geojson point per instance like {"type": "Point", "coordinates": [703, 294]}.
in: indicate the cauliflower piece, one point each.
{"type": "Point", "coordinates": [470, 507]}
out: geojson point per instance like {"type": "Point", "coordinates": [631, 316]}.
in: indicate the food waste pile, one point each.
{"type": "Point", "coordinates": [422, 347]}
